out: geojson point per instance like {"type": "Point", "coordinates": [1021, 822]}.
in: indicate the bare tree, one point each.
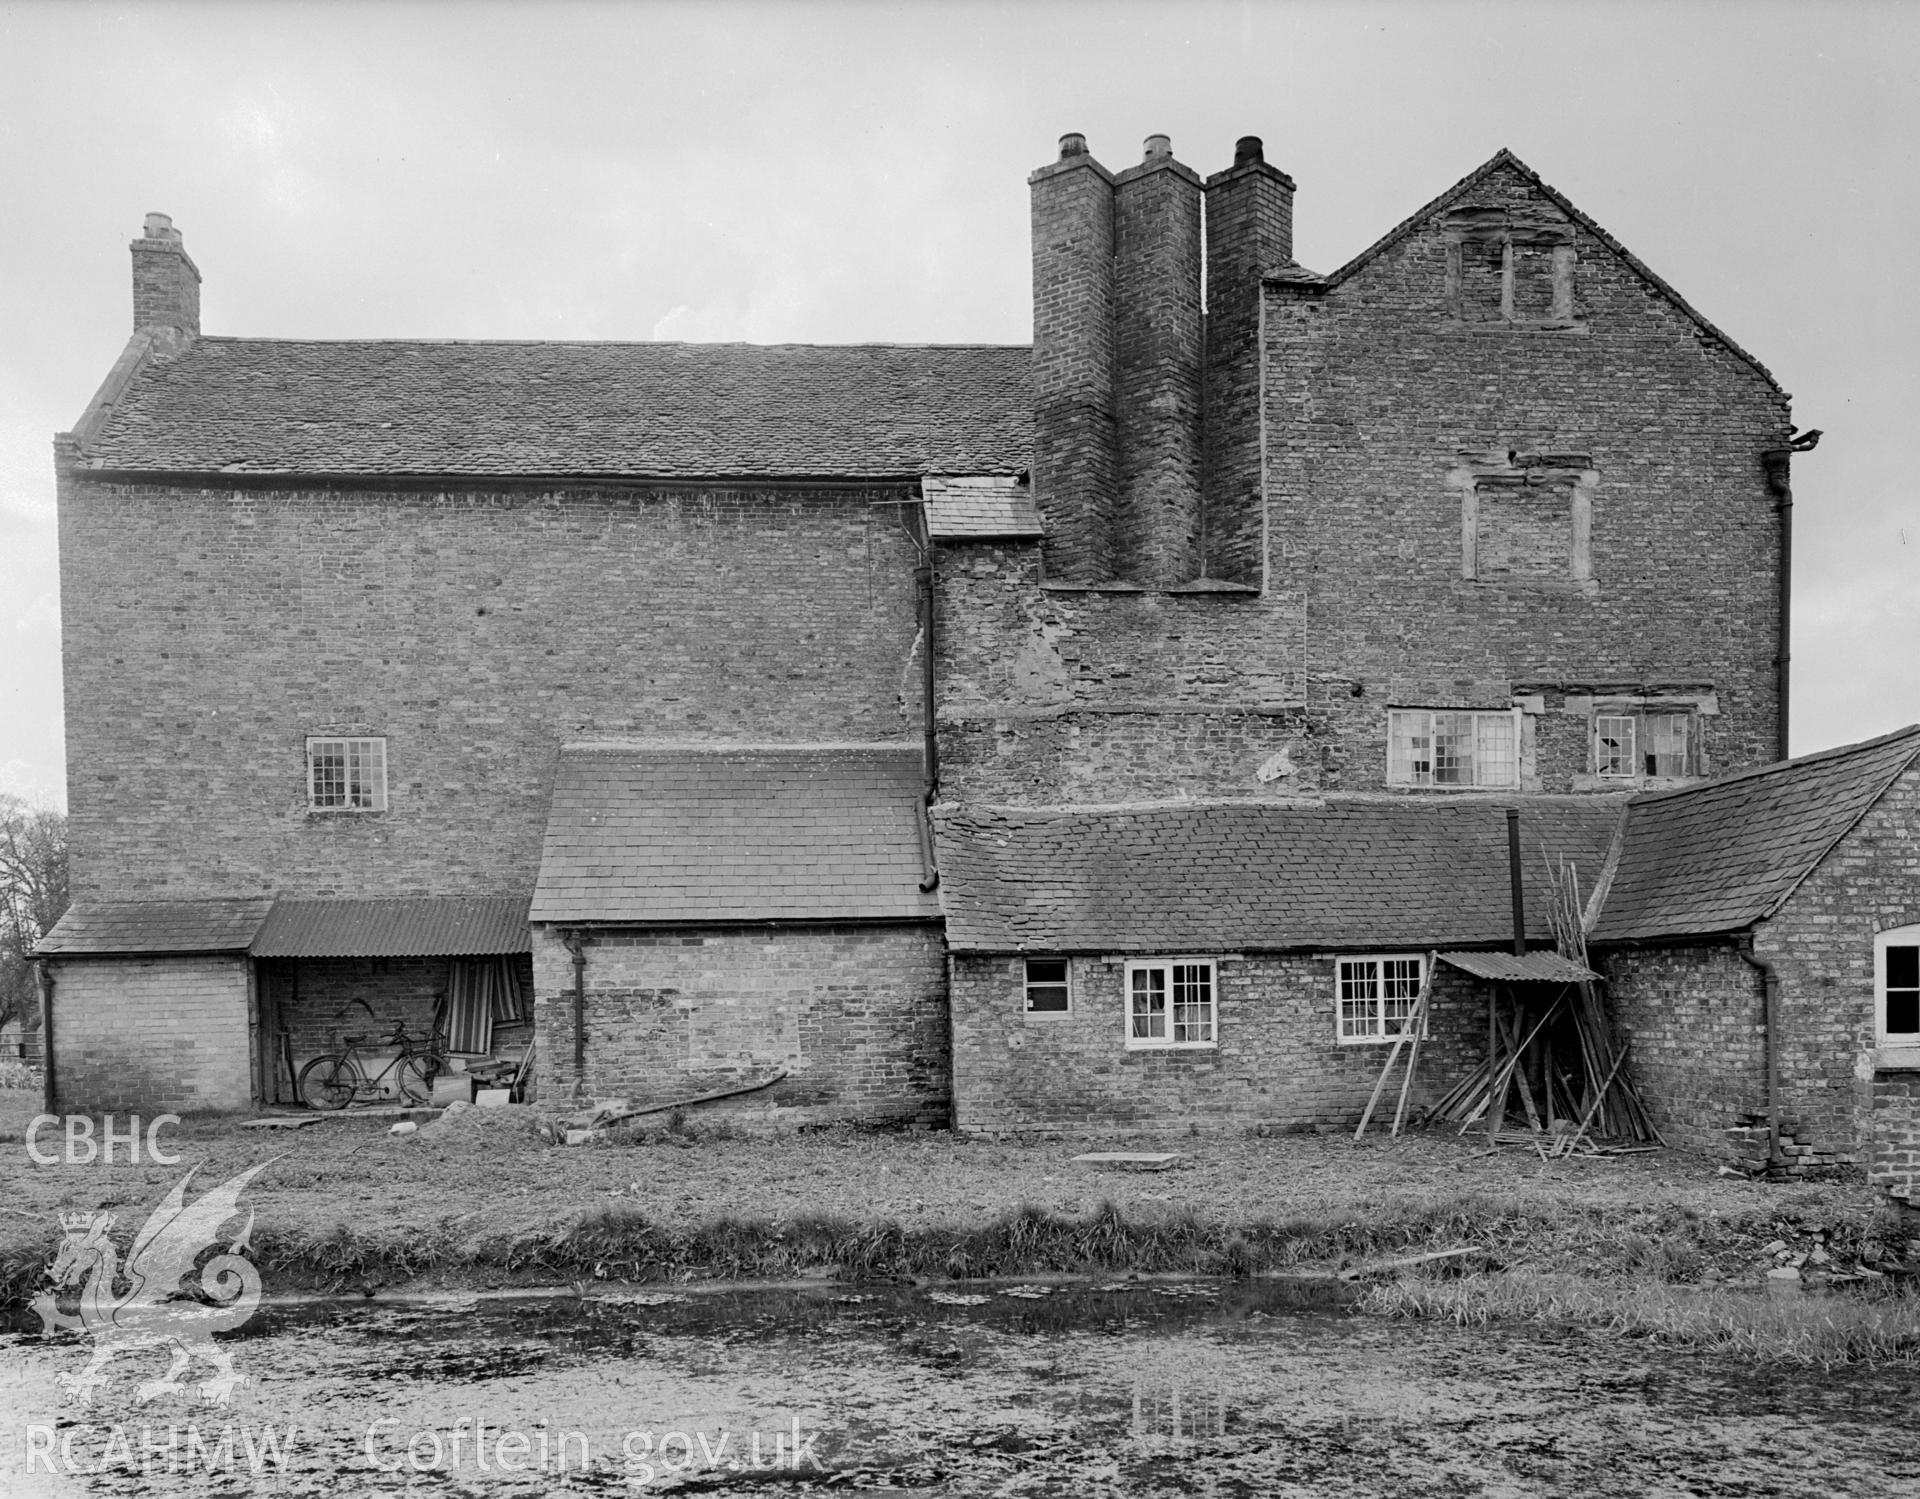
{"type": "Point", "coordinates": [33, 896]}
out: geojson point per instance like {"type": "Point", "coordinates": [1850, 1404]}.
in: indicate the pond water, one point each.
{"type": "Point", "coordinates": [1138, 1387]}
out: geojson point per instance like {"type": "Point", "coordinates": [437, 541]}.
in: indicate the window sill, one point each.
{"type": "Point", "coordinates": [1897, 1057]}
{"type": "Point", "coordinates": [1515, 325]}
{"type": "Point", "coordinates": [1591, 782]}
{"type": "Point", "coordinates": [1581, 587]}
{"type": "Point", "coordinates": [1172, 1045]}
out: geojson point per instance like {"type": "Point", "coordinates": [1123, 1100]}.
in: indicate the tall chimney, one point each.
{"type": "Point", "coordinates": [1157, 377]}
{"type": "Point", "coordinates": [1075, 461]}
{"type": "Point", "coordinates": [166, 284]}
{"type": "Point", "coordinates": [1249, 233]}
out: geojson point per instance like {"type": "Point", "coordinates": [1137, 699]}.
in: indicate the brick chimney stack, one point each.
{"type": "Point", "coordinates": [1157, 377]}
{"type": "Point", "coordinates": [1075, 460]}
{"type": "Point", "coordinates": [1249, 233]}
{"type": "Point", "coordinates": [166, 284]}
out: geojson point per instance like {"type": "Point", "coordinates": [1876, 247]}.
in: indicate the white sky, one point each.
{"type": "Point", "coordinates": [838, 172]}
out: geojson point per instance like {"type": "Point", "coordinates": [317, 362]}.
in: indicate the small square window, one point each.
{"type": "Point", "coordinates": [1374, 996]}
{"type": "Point", "coordinates": [1170, 1003]}
{"type": "Point", "coordinates": [1048, 986]}
{"type": "Point", "coordinates": [1896, 974]}
{"type": "Point", "coordinates": [1442, 750]}
{"type": "Point", "coordinates": [346, 775]}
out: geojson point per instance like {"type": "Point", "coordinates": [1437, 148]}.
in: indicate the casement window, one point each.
{"type": "Point", "coordinates": [346, 775]}
{"type": "Point", "coordinates": [1049, 987]}
{"type": "Point", "coordinates": [1896, 986]}
{"type": "Point", "coordinates": [1441, 749]}
{"type": "Point", "coordinates": [1643, 744]}
{"type": "Point", "coordinates": [1170, 1003]}
{"type": "Point", "coordinates": [1374, 996]}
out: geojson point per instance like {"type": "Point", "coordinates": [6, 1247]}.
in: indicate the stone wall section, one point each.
{"type": "Point", "coordinates": [208, 631]}
{"type": "Point", "coordinates": [856, 1013]}
{"type": "Point", "coordinates": [1277, 1065]}
{"type": "Point", "coordinates": [154, 1034]}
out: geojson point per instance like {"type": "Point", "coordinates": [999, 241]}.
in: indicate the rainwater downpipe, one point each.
{"type": "Point", "coordinates": [49, 1088]}
{"type": "Point", "coordinates": [1778, 463]}
{"type": "Point", "coordinates": [575, 942]}
{"type": "Point", "coordinates": [930, 756]}
{"type": "Point", "coordinates": [1770, 988]}
{"type": "Point", "coordinates": [1513, 882]}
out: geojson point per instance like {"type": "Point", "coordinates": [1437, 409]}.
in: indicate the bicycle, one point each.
{"type": "Point", "coordinates": [336, 1079]}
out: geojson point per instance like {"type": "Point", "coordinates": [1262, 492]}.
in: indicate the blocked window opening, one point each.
{"type": "Point", "coordinates": [1375, 996]}
{"type": "Point", "coordinates": [1048, 990]}
{"type": "Point", "coordinates": [1170, 1003]}
{"type": "Point", "coordinates": [346, 775]}
{"type": "Point", "coordinates": [1525, 518]}
{"type": "Point", "coordinates": [1896, 973]}
{"type": "Point", "coordinates": [1643, 744]}
{"type": "Point", "coordinates": [1441, 749]}
{"type": "Point", "coordinates": [1510, 264]}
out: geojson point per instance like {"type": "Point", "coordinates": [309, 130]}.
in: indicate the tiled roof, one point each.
{"type": "Point", "coordinates": [959, 508]}
{"type": "Point", "coordinates": [1229, 877]}
{"type": "Point", "coordinates": [681, 833]}
{"type": "Point", "coordinates": [668, 410]}
{"type": "Point", "coordinates": [1722, 855]}
{"type": "Point", "coordinates": [395, 928]}
{"type": "Point", "coordinates": [107, 927]}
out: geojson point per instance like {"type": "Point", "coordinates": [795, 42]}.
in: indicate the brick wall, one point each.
{"type": "Point", "coordinates": [1695, 1018]}
{"type": "Point", "coordinates": [858, 1015]}
{"type": "Point", "coordinates": [152, 1033]}
{"type": "Point", "coordinates": [1821, 945]}
{"type": "Point", "coordinates": [1893, 1154]}
{"type": "Point", "coordinates": [1277, 1063]}
{"type": "Point", "coordinates": [208, 631]}
{"type": "Point", "coordinates": [1375, 390]}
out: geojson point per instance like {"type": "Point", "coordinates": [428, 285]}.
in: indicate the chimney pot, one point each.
{"type": "Point", "coordinates": [1248, 148]}
{"type": "Point", "coordinates": [160, 226]}
{"type": "Point", "coordinates": [1159, 147]}
{"type": "Point", "coordinates": [1072, 144]}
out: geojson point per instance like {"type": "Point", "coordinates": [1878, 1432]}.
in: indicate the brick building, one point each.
{"type": "Point", "coordinates": [1312, 577]}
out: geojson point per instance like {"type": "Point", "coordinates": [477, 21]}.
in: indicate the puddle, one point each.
{"type": "Point", "coordinates": [1030, 1388]}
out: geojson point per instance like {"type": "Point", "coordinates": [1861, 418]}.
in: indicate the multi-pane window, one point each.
{"type": "Point", "coordinates": [1896, 974]}
{"type": "Point", "coordinates": [347, 775]}
{"type": "Point", "coordinates": [1452, 749]}
{"type": "Point", "coordinates": [1170, 1003]}
{"type": "Point", "coordinates": [1643, 744]}
{"type": "Point", "coordinates": [1376, 996]}
{"type": "Point", "coordinates": [1047, 988]}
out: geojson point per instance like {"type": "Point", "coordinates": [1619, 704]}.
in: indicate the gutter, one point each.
{"type": "Point", "coordinates": [1770, 987]}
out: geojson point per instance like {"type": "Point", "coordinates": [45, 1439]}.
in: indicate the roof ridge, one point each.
{"type": "Point", "coordinates": [596, 343]}
{"type": "Point", "coordinates": [1775, 767]}
{"type": "Point", "coordinates": [1506, 158]}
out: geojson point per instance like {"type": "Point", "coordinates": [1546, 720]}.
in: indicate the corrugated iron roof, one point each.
{"type": "Point", "coordinates": [411, 927]}
{"type": "Point", "coordinates": [1510, 968]}
{"type": "Point", "coordinates": [716, 833]}
{"type": "Point", "coordinates": [128, 928]}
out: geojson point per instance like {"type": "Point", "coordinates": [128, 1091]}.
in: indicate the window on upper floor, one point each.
{"type": "Point", "coordinates": [1444, 748]}
{"type": "Point", "coordinates": [1170, 1003]}
{"type": "Point", "coordinates": [1635, 744]}
{"type": "Point", "coordinates": [346, 775]}
{"type": "Point", "coordinates": [1526, 519]}
{"type": "Point", "coordinates": [1896, 986]}
{"type": "Point", "coordinates": [1510, 264]}
{"type": "Point", "coordinates": [1374, 996]}
{"type": "Point", "coordinates": [1049, 988]}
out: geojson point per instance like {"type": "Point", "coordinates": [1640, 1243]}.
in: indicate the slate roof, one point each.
{"type": "Point", "coordinates": [969, 507]}
{"type": "Point", "coordinates": [1235, 877]}
{"type": "Point", "coordinates": [686, 833]}
{"type": "Point", "coordinates": [466, 927]}
{"type": "Point", "coordinates": [663, 410]}
{"type": "Point", "coordinates": [105, 928]}
{"type": "Point", "coordinates": [1726, 853]}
